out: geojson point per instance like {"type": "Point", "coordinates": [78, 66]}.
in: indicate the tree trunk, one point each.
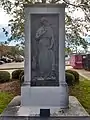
{"type": "Point", "coordinates": [43, 1]}
{"type": "Point", "coordinates": [53, 1]}
{"type": "Point", "coordinates": [76, 49]}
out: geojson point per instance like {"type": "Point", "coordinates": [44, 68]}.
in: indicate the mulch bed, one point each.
{"type": "Point", "coordinates": [11, 87]}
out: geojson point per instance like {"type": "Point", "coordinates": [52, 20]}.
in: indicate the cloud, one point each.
{"type": "Point", "coordinates": [3, 38]}
{"type": "Point", "coordinates": [2, 34]}
{"type": "Point", "coordinates": [87, 38]}
{"type": "Point", "coordinates": [4, 18]}
{"type": "Point", "coordinates": [12, 43]}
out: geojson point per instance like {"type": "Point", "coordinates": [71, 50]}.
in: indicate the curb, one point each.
{"type": "Point", "coordinates": [82, 75]}
{"type": "Point", "coordinates": [11, 68]}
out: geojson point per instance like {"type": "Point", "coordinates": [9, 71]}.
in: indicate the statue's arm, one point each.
{"type": "Point", "coordinates": [52, 40]}
{"type": "Point", "coordinates": [39, 33]}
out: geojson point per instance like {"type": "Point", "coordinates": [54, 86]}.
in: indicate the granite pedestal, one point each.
{"type": "Point", "coordinates": [44, 96]}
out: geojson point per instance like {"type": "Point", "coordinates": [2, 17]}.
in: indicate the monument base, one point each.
{"type": "Point", "coordinates": [75, 109]}
{"type": "Point", "coordinates": [45, 96]}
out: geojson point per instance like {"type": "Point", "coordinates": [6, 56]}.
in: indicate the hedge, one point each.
{"type": "Point", "coordinates": [76, 75]}
{"type": "Point", "coordinates": [70, 79]}
{"type": "Point", "coordinates": [16, 74]}
{"type": "Point", "coordinates": [4, 76]}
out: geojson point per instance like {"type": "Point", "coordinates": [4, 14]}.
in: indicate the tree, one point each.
{"type": "Point", "coordinates": [68, 51]}
{"type": "Point", "coordinates": [73, 25]}
{"type": "Point", "coordinates": [15, 50]}
{"type": "Point", "coordinates": [74, 41]}
{"type": "Point", "coordinates": [4, 49]}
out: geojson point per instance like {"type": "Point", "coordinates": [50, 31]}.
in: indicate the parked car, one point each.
{"type": "Point", "coordinates": [19, 58]}
{"type": "Point", "coordinates": [11, 57]}
{"type": "Point", "coordinates": [6, 59]}
{"type": "Point", "coordinates": [9, 60]}
{"type": "Point", "coordinates": [67, 59]}
{"type": "Point", "coordinates": [1, 62]}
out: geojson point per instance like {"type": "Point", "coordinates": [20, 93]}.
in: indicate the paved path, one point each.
{"type": "Point", "coordinates": [68, 67]}
{"type": "Point", "coordinates": [13, 65]}
{"type": "Point", "coordinates": [10, 69]}
{"type": "Point", "coordinates": [82, 72]}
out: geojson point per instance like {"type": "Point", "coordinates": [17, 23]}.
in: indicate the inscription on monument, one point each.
{"type": "Point", "coordinates": [44, 48]}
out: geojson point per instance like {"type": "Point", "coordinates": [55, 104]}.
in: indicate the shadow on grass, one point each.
{"type": "Point", "coordinates": [5, 98]}
{"type": "Point", "coordinates": [82, 92]}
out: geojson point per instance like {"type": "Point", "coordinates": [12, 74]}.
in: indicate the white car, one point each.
{"type": "Point", "coordinates": [19, 58]}
{"type": "Point", "coordinates": [1, 62]}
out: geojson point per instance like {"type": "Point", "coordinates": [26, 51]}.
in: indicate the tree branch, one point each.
{"type": "Point", "coordinates": [83, 5]}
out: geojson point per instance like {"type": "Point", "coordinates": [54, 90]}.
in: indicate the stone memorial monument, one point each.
{"type": "Point", "coordinates": [44, 83]}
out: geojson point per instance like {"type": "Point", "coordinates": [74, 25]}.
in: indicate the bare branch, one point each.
{"type": "Point", "coordinates": [83, 5]}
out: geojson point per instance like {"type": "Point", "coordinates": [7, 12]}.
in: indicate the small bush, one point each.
{"type": "Point", "coordinates": [70, 79]}
{"type": "Point", "coordinates": [21, 77]}
{"type": "Point", "coordinates": [16, 73]}
{"type": "Point", "coordinates": [21, 74]}
{"type": "Point", "coordinates": [76, 75]}
{"type": "Point", "coordinates": [22, 80]}
{"type": "Point", "coordinates": [4, 76]}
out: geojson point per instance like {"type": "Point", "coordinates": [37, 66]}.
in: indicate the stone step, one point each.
{"type": "Point", "coordinates": [50, 118]}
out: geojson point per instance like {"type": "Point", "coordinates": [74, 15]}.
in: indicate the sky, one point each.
{"type": "Point", "coordinates": [4, 20]}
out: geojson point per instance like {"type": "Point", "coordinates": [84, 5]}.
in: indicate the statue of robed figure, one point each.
{"type": "Point", "coordinates": [44, 54]}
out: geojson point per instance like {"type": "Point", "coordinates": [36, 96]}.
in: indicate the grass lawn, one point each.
{"type": "Point", "coordinates": [82, 93]}
{"type": "Point", "coordinates": [5, 98]}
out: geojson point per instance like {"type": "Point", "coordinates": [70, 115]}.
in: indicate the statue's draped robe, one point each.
{"type": "Point", "coordinates": [45, 38]}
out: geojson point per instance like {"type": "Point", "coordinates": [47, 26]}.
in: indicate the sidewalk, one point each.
{"type": "Point", "coordinates": [83, 73]}
{"type": "Point", "coordinates": [13, 65]}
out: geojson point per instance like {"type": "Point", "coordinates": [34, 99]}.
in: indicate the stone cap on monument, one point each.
{"type": "Point", "coordinates": [60, 5]}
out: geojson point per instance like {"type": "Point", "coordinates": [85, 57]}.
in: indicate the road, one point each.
{"type": "Point", "coordinates": [18, 65]}
{"type": "Point", "coordinates": [10, 67]}
{"type": "Point", "coordinates": [13, 65]}
{"type": "Point", "coordinates": [68, 67]}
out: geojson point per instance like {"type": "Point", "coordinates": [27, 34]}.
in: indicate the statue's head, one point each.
{"type": "Point", "coordinates": [44, 21]}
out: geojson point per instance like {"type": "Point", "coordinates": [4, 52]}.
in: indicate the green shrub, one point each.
{"type": "Point", "coordinates": [76, 75]}
{"type": "Point", "coordinates": [70, 79]}
{"type": "Point", "coordinates": [16, 73]}
{"type": "Point", "coordinates": [21, 74]}
{"type": "Point", "coordinates": [21, 77]}
{"type": "Point", "coordinates": [4, 76]}
{"type": "Point", "coordinates": [22, 80]}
